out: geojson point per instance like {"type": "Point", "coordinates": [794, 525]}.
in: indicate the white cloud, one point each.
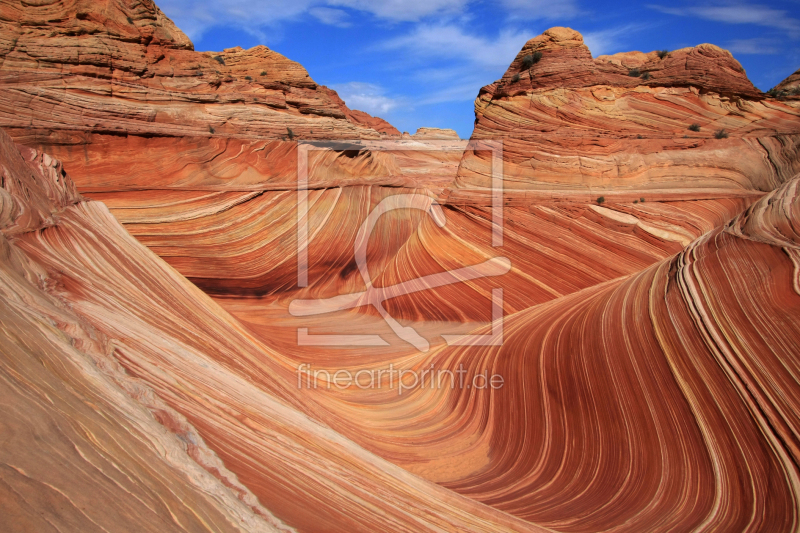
{"type": "Point", "coordinates": [365, 97]}
{"type": "Point", "coordinates": [331, 16]}
{"type": "Point", "coordinates": [194, 17]}
{"type": "Point", "coordinates": [739, 13]}
{"type": "Point", "coordinates": [449, 41]}
{"type": "Point", "coordinates": [542, 9]}
{"type": "Point", "coordinates": [450, 63]}
{"type": "Point", "coordinates": [757, 46]}
{"type": "Point", "coordinates": [473, 54]}
{"type": "Point", "coordinates": [404, 10]}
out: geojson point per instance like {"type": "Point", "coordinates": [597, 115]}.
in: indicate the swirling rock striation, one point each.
{"type": "Point", "coordinates": [154, 409]}
{"type": "Point", "coordinates": [82, 449]}
{"type": "Point", "coordinates": [703, 341]}
{"type": "Point", "coordinates": [651, 331]}
{"type": "Point", "coordinates": [663, 400]}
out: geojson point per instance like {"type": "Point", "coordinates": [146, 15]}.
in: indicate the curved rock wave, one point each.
{"type": "Point", "coordinates": [651, 307]}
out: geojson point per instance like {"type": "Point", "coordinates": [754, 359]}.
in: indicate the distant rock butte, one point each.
{"type": "Point", "coordinates": [436, 133]}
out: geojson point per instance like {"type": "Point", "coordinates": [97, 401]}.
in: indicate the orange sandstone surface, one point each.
{"type": "Point", "coordinates": [149, 241]}
{"type": "Point", "coordinates": [126, 386]}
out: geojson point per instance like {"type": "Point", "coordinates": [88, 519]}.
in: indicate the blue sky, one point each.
{"type": "Point", "coordinates": [421, 62]}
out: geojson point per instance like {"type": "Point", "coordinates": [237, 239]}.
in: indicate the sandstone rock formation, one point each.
{"type": "Point", "coordinates": [435, 133]}
{"type": "Point", "coordinates": [602, 172]}
{"type": "Point", "coordinates": [75, 70]}
{"type": "Point", "coordinates": [151, 367]}
{"type": "Point", "coordinates": [63, 389]}
{"type": "Point", "coordinates": [95, 83]}
{"type": "Point", "coordinates": [172, 415]}
{"type": "Point", "coordinates": [683, 369]}
{"type": "Point", "coordinates": [788, 90]}
{"type": "Point", "coordinates": [104, 302]}
{"type": "Point", "coordinates": [626, 123]}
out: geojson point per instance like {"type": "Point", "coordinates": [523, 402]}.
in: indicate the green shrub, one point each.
{"type": "Point", "coordinates": [527, 62]}
{"type": "Point", "coordinates": [646, 76]}
{"type": "Point", "coordinates": [263, 72]}
{"type": "Point", "coordinates": [531, 59]}
{"type": "Point", "coordinates": [663, 53]}
{"type": "Point", "coordinates": [639, 136]}
{"type": "Point", "coordinates": [634, 73]}
{"type": "Point", "coordinates": [290, 133]}
{"type": "Point", "coordinates": [641, 200]}
{"type": "Point", "coordinates": [219, 60]}
{"type": "Point", "coordinates": [783, 93]}
{"type": "Point", "coordinates": [515, 78]}
{"type": "Point", "coordinates": [211, 130]}
{"type": "Point", "coordinates": [721, 134]}
{"type": "Point", "coordinates": [248, 78]}
{"type": "Point", "coordinates": [130, 20]}
{"type": "Point", "coordinates": [695, 127]}
{"type": "Point", "coordinates": [601, 199]}
{"type": "Point", "coordinates": [636, 201]}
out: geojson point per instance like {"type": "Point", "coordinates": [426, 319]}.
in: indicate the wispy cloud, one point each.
{"type": "Point", "coordinates": [753, 46]}
{"type": "Point", "coordinates": [542, 9]}
{"type": "Point", "coordinates": [451, 63]}
{"type": "Point", "coordinates": [194, 17]}
{"type": "Point", "coordinates": [405, 10]}
{"type": "Point", "coordinates": [739, 13]}
{"type": "Point", "coordinates": [366, 97]}
{"type": "Point", "coordinates": [443, 41]}
{"type": "Point", "coordinates": [331, 16]}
